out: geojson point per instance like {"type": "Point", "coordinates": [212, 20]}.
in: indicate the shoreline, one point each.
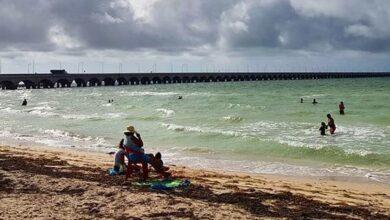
{"type": "Point", "coordinates": [75, 179]}
{"type": "Point", "coordinates": [195, 165]}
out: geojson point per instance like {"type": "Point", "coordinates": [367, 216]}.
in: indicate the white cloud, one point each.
{"type": "Point", "coordinates": [61, 39]}
{"type": "Point", "coordinates": [142, 9]}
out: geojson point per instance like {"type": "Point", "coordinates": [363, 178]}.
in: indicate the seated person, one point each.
{"type": "Point", "coordinates": [119, 164]}
{"type": "Point", "coordinates": [158, 165]}
{"type": "Point", "coordinates": [133, 145]}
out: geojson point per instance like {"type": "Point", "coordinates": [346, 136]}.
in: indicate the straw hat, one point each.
{"type": "Point", "coordinates": [130, 129]}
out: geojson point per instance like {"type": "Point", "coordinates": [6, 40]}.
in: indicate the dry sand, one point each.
{"type": "Point", "coordinates": [64, 184]}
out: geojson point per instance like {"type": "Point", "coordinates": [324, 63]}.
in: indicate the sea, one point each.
{"type": "Point", "coordinates": [251, 127]}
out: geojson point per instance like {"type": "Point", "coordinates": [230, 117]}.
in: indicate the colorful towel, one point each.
{"type": "Point", "coordinates": [164, 184]}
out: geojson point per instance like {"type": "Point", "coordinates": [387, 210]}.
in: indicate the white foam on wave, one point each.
{"type": "Point", "coordinates": [354, 140]}
{"type": "Point", "coordinates": [57, 138]}
{"type": "Point", "coordinates": [68, 135]}
{"type": "Point", "coordinates": [114, 115]}
{"type": "Point", "coordinates": [233, 118]}
{"type": "Point", "coordinates": [198, 129]}
{"type": "Point", "coordinates": [175, 127]}
{"type": "Point", "coordinates": [207, 94]}
{"type": "Point", "coordinates": [298, 134]}
{"type": "Point", "coordinates": [95, 116]}
{"type": "Point", "coordinates": [42, 111]}
{"type": "Point", "coordinates": [261, 167]}
{"type": "Point", "coordinates": [237, 105]}
{"type": "Point", "coordinates": [314, 96]}
{"type": "Point", "coordinates": [147, 93]}
{"type": "Point", "coordinates": [10, 110]}
{"type": "Point", "coordinates": [95, 94]}
{"type": "Point", "coordinates": [80, 116]}
{"type": "Point", "coordinates": [167, 112]}
{"type": "Point", "coordinates": [51, 137]}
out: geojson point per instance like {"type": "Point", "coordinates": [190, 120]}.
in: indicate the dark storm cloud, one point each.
{"type": "Point", "coordinates": [277, 24]}
{"type": "Point", "coordinates": [24, 25]}
{"type": "Point", "coordinates": [174, 26]}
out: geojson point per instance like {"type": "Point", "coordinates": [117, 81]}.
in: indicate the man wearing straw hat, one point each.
{"type": "Point", "coordinates": [135, 153]}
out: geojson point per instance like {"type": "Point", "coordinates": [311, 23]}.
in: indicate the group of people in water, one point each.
{"type": "Point", "coordinates": [331, 124]}
{"type": "Point", "coordinates": [131, 147]}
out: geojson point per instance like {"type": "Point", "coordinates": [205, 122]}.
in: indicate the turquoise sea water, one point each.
{"type": "Point", "coordinates": [256, 127]}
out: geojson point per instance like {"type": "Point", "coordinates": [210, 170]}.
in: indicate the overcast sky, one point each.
{"type": "Point", "coordinates": [195, 35]}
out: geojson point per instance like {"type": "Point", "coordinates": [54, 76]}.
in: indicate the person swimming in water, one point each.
{"type": "Point", "coordinates": [331, 124]}
{"type": "Point", "coordinates": [341, 108]}
{"type": "Point", "coordinates": [24, 103]}
{"type": "Point", "coordinates": [315, 101]}
{"type": "Point", "coordinates": [323, 128]}
{"type": "Point", "coordinates": [301, 100]}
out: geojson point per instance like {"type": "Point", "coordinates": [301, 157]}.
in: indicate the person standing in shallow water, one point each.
{"type": "Point", "coordinates": [24, 103]}
{"type": "Point", "coordinates": [331, 124]}
{"type": "Point", "coordinates": [341, 108]}
{"type": "Point", "coordinates": [323, 128]}
{"type": "Point", "coordinates": [301, 100]}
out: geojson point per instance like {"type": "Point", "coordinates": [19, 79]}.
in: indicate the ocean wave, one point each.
{"type": "Point", "coordinates": [303, 138]}
{"type": "Point", "coordinates": [314, 96]}
{"type": "Point", "coordinates": [56, 136]}
{"type": "Point", "coordinates": [197, 129]}
{"type": "Point", "coordinates": [81, 117]}
{"type": "Point", "coordinates": [94, 116]}
{"type": "Point", "coordinates": [235, 105]}
{"type": "Point", "coordinates": [95, 94]}
{"type": "Point", "coordinates": [233, 118]}
{"type": "Point", "coordinates": [42, 111]}
{"type": "Point", "coordinates": [145, 118]}
{"type": "Point", "coordinates": [167, 112]}
{"type": "Point", "coordinates": [262, 167]}
{"type": "Point", "coordinates": [114, 115]}
{"type": "Point", "coordinates": [181, 128]}
{"type": "Point", "coordinates": [207, 94]}
{"type": "Point", "coordinates": [147, 93]}
{"type": "Point", "coordinates": [10, 110]}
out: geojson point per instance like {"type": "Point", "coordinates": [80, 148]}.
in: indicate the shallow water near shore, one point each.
{"type": "Point", "coordinates": [258, 127]}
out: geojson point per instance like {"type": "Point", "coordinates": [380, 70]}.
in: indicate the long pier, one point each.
{"type": "Point", "coordinates": [48, 80]}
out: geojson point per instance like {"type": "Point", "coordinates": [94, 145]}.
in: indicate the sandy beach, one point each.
{"type": "Point", "coordinates": [45, 183]}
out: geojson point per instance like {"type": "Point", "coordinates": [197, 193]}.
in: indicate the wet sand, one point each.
{"type": "Point", "coordinates": [38, 182]}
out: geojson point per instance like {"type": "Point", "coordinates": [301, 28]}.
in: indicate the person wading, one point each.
{"type": "Point", "coordinates": [341, 108]}
{"type": "Point", "coordinates": [331, 124]}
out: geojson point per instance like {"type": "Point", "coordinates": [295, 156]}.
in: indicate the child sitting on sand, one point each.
{"type": "Point", "coordinates": [158, 165]}
{"type": "Point", "coordinates": [323, 128]}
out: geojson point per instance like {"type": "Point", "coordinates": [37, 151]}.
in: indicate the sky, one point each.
{"type": "Point", "coordinates": [194, 35]}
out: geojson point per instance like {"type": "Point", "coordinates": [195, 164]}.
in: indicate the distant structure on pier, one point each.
{"type": "Point", "coordinates": [61, 79]}
{"type": "Point", "coordinates": [60, 72]}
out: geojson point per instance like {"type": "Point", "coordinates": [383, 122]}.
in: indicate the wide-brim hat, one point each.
{"type": "Point", "coordinates": [130, 129]}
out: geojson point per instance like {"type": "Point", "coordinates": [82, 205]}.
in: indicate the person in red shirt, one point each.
{"type": "Point", "coordinates": [341, 108]}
